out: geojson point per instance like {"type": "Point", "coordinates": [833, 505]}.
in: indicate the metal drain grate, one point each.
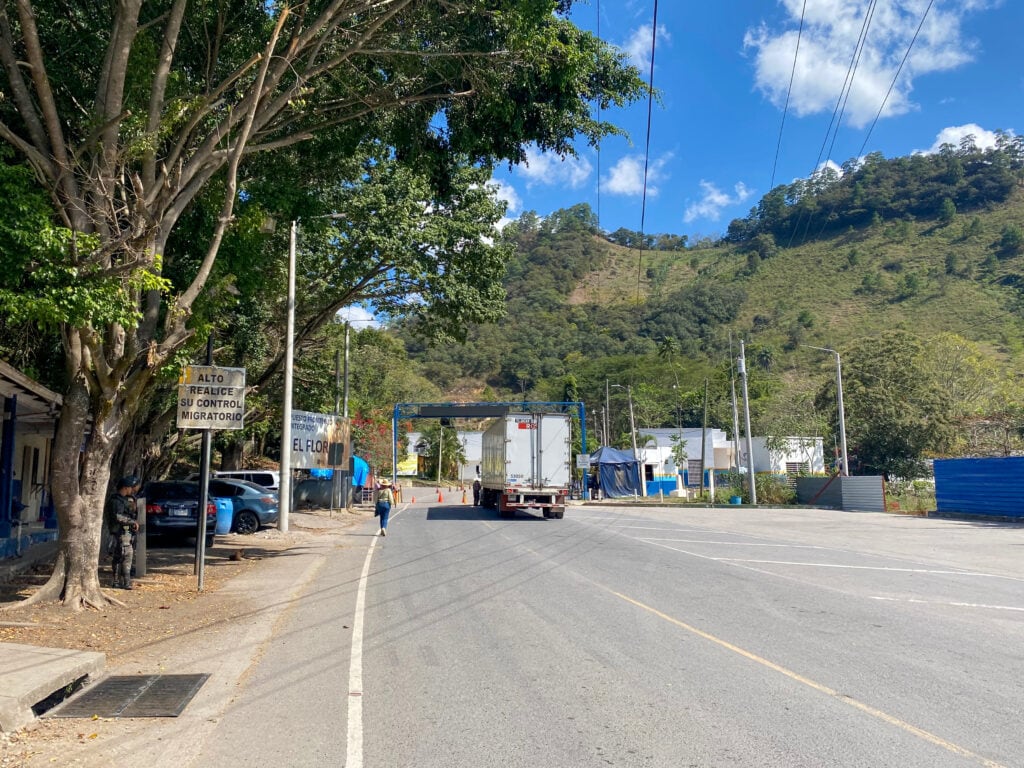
{"type": "Point", "coordinates": [133, 696]}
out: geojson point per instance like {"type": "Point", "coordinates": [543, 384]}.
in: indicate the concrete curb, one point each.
{"type": "Point", "coordinates": [28, 674]}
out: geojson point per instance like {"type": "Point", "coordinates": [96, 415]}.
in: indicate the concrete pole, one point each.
{"type": "Point", "coordinates": [746, 417]}
{"type": "Point", "coordinates": [632, 433]}
{"type": "Point", "coordinates": [285, 493]}
{"type": "Point", "coordinates": [842, 415]}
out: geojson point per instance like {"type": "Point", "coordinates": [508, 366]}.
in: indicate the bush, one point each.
{"type": "Point", "coordinates": [772, 489]}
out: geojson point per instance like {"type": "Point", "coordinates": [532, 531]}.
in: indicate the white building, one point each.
{"type": "Point", "coordinates": [796, 456]}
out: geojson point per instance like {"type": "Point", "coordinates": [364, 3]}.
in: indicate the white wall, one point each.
{"type": "Point", "coordinates": [798, 450]}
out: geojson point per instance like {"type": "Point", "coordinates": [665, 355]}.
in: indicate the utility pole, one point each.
{"type": "Point", "coordinates": [607, 414]}
{"type": "Point", "coordinates": [746, 416]}
{"type": "Point", "coordinates": [285, 488]}
{"type": "Point", "coordinates": [632, 433]}
{"type": "Point", "coordinates": [839, 404]}
{"type": "Point", "coordinates": [704, 438]}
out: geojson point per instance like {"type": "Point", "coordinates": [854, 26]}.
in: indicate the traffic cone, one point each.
{"type": "Point", "coordinates": [440, 498]}
{"type": "Point", "coordinates": [463, 495]}
{"type": "Point", "coordinates": [413, 500]}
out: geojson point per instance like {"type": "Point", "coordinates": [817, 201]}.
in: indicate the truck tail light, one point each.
{"type": "Point", "coordinates": [155, 509]}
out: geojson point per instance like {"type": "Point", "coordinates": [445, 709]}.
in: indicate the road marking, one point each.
{"type": "Point", "coordinates": [951, 604]}
{"type": "Point", "coordinates": [354, 752]}
{"type": "Point", "coordinates": [737, 543]}
{"type": "Point", "coordinates": [920, 733]}
{"type": "Point", "coordinates": [863, 567]}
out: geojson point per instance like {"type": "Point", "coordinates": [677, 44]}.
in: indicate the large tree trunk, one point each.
{"type": "Point", "coordinates": [79, 480]}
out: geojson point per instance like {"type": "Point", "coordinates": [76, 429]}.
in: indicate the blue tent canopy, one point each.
{"type": "Point", "coordinates": [359, 474]}
{"type": "Point", "coordinates": [618, 472]}
{"type": "Point", "coordinates": [360, 471]}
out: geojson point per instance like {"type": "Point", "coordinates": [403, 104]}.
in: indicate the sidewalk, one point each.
{"type": "Point", "coordinates": [219, 632]}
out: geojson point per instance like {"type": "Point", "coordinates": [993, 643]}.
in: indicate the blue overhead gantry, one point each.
{"type": "Point", "coordinates": [481, 411]}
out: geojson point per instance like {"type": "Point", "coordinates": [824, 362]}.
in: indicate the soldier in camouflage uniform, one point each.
{"type": "Point", "coordinates": [123, 525]}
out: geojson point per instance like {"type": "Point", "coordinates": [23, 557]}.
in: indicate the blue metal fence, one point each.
{"type": "Point", "coordinates": [980, 486]}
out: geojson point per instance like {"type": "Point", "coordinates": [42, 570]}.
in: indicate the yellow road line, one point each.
{"type": "Point", "coordinates": [866, 708]}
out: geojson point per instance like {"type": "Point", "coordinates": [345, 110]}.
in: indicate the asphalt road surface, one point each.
{"type": "Point", "coordinates": [656, 638]}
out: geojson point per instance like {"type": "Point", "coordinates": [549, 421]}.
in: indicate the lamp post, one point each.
{"type": "Point", "coordinates": [839, 403]}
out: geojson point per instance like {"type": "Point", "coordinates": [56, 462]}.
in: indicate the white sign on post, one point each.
{"type": "Point", "coordinates": [312, 435]}
{"type": "Point", "coordinates": [210, 397]}
{"type": "Point", "coordinates": [582, 461]}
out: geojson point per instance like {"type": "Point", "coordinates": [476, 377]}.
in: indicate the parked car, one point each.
{"type": "Point", "coordinates": [268, 478]}
{"type": "Point", "coordinates": [254, 505]}
{"type": "Point", "coordinates": [171, 507]}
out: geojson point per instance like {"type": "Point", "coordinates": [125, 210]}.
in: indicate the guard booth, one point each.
{"type": "Point", "coordinates": [27, 514]}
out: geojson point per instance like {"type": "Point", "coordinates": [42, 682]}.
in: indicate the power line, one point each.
{"type": "Point", "coordinates": [789, 92]}
{"type": "Point", "coordinates": [844, 95]}
{"type": "Point", "coordinates": [885, 99]}
{"type": "Point", "coordinates": [896, 76]}
{"type": "Point", "coordinates": [647, 154]}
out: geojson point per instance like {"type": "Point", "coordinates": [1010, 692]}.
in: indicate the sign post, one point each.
{"type": "Point", "coordinates": [209, 397]}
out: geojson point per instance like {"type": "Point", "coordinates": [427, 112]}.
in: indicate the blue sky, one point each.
{"type": "Point", "coordinates": [723, 70]}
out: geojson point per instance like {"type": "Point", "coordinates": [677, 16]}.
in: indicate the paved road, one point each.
{"type": "Point", "coordinates": [651, 638]}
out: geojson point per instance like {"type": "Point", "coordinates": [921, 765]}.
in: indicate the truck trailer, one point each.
{"type": "Point", "coordinates": [526, 463]}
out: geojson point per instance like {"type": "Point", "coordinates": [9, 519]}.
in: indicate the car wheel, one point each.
{"type": "Point", "coordinates": [246, 522]}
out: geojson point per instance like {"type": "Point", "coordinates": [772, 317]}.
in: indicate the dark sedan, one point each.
{"type": "Point", "coordinates": [254, 506]}
{"type": "Point", "coordinates": [171, 510]}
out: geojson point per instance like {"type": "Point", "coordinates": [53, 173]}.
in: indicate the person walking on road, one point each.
{"type": "Point", "coordinates": [382, 509]}
{"type": "Point", "coordinates": [477, 484]}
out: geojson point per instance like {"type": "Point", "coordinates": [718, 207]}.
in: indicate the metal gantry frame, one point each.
{"type": "Point", "coordinates": [483, 411]}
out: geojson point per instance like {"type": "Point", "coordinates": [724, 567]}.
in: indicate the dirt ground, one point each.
{"type": "Point", "coordinates": [165, 603]}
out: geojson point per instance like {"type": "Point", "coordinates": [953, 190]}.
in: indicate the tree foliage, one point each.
{"type": "Point", "coordinates": [138, 117]}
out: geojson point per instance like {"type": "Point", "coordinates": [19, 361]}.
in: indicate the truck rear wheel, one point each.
{"type": "Point", "coordinates": [558, 512]}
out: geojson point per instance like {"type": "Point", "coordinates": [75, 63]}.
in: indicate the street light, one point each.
{"type": "Point", "coordinates": [839, 398]}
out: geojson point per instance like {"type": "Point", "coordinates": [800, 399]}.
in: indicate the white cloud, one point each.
{"type": "Point", "coordinates": [507, 192]}
{"type": "Point", "coordinates": [982, 139]}
{"type": "Point", "coordinates": [549, 169]}
{"type": "Point", "coordinates": [513, 202]}
{"type": "Point", "coordinates": [831, 31]}
{"type": "Point", "coordinates": [714, 200]}
{"type": "Point", "coordinates": [358, 317]}
{"type": "Point", "coordinates": [627, 176]}
{"type": "Point", "coordinates": [638, 46]}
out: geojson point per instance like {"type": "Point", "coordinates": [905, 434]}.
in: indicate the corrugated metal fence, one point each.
{"type": "Point", "coordinates": [861, 494]}
{"type": "Point", "coordinates": [980, 486]}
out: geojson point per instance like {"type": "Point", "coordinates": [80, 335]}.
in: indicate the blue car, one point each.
{"type": "Point", "coordinates": [254, 506]}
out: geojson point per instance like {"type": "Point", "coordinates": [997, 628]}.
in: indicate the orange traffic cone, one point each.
{"type": "Point", "coordinates": [413, 500]}
{"type": "Point", "coordinates": [440, 498]}
{"type": "Point", "coordinates": [463, 495]}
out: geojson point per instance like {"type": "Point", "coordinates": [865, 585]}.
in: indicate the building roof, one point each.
{"type": "Point", "coordinates": [36, 403]}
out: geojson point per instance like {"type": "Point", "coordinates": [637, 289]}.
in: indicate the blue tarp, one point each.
{"type": "Point", "coordinates": [618, 471]}
{"type": "Point", "coordinates": [360, 471]}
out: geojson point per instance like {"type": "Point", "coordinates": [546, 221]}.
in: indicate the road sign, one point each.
{"type": "Point", "coordinates": [582, 461]}
{"type": "Point", "coordinates": [210, 397]}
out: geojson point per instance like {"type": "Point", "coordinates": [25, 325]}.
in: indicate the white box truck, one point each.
{"type": "Point", "coordinates": [525, 463]}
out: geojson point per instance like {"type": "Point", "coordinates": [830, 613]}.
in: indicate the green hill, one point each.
{"type": "Point", "coordinates": [947, 271]}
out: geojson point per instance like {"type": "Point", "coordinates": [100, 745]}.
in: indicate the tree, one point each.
{"type": "Point", "coordinates": [130, 117]}
{"type": "Point", "coordinates": [896, 410]}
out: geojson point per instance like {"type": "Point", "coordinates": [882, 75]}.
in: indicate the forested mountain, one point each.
{"type": "Point", "coordinates": [910, 267]}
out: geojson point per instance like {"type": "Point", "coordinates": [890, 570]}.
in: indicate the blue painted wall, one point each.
{"type": "Point", "coordinates": [980, 486]}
